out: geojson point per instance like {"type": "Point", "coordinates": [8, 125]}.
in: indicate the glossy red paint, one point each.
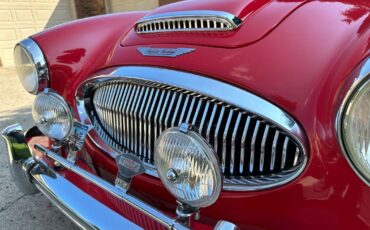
{"type": "Point", "coordinates": [304, 64]}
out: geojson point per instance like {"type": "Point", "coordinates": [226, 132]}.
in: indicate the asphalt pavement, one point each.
{"type": "Point", "coordinates": [18, 211]}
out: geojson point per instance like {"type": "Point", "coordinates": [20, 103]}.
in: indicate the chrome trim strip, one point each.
{"type": "Point", "coordinates": [39, 60]}
{"type": "Point", "coordinates": [196, 83]}
{"type": "Point", "coordinates": [363, 76]}
{"type": "Point", "coordinates": [183, 20]}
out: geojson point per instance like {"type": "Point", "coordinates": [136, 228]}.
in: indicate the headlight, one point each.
{"type": "Point", "coordinates": [355, 126]}
{"type": "Point", "coordinates": [31, 66]}
{"type": "Point", "coordinates": [188, 167]}
{"type": "Point", "coordinates": [52, 115]}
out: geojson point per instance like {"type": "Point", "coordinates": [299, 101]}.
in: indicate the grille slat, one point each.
{"type": "Point", "coordinates": [234, 144]}
{"type": "Point", "coordinates": [296, 156]}
{"type": "Point", "coordinates": [163, 112]}
{"type": "Point", "coordinates": [146, 114]}
{"type": "Point", "coordinates": [211, 122]}
{"type": "Point", "coordinates": [201, 126]}
{"type": "Point", "coordinates": [253, 147]}
{"type": "Point", "coordinates": [224, 140]}
{"type": "Point", "coordinates": [285, 148]}
{"type": "Point", "coordinates": [216, 136]}
{"type": "Point", "coordinates": [141, 131]}
{"type": "Point", "coordinates": [273, 152]}
{"type": "Point", "coordinates": [130, 116]}
{"type": "Point", "coordinates": [176, 110]}
{"type": "Point", "coordinates": [166, 122]}
{"type": "Point", "coordinates": [263, 147]}
{"type": "Point", "coordinates": [243, 147]}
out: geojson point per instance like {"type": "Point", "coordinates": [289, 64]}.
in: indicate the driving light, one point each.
{"type": "Point", "coordinates": [31, 66]}
{"type": "Point", "coordinates": [188, 167]}
{"type": "Point", "coordinates": [52, 115]}
{"type": "Point", "coordinates": [356, 129]}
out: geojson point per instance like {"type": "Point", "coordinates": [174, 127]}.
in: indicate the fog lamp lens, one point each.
{"type": "Point", "coordinates": [188, 167]}
{"type": "Point", "coordinates": [52, 115]}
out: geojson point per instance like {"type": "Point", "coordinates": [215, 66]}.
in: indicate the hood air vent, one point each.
{"type": "Point", "coordinates": [188, 21]}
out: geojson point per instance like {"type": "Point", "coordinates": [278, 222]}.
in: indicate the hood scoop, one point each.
{"type": "Point", "coordinates": [199, 20]}
{"type": "Point", "coordinates": [214, 23]}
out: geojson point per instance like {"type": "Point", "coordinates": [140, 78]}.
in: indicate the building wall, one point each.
{"type": "Point", "coordinates": [114, 6]}
{"type": "Point", "coordinates": [129, 5]}
{"type": "Point", "coordinates": [22, 18]}
{"type": "Point", "coordinates": [88, 8]}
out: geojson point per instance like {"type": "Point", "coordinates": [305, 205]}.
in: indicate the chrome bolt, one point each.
{"type": "Point", "coordinates": [43, 121]}
{"type": "Point", "coordinates": [172, 175]}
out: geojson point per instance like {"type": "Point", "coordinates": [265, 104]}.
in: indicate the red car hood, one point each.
{"type": "Point", "coordinates": [259, 18]}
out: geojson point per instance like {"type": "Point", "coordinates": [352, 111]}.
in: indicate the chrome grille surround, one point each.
{"type": "Point", "coordinates": [201, 20]}
{"type": "Point", "coordinates": [243, 129]}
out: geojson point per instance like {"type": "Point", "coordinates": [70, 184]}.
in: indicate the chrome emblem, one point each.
{"type": "Point", "coordinates": [164, 52]}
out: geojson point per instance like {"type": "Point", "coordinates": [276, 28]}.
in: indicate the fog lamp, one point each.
{"type": "Point", "coordinates": [52, 115]}
{"type": "Point", "coordinates": [188, 167]}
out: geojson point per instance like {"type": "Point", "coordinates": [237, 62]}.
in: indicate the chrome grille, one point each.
{"type": "Point", "coordinates": [188, 21]}
{"type": "Point", "coordinates": [130, 114]}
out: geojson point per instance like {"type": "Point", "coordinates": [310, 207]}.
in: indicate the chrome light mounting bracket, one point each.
{"type": "Point", "coordinates": [76, 139]}
{"type": "Point", "coordinates": [129, 166]}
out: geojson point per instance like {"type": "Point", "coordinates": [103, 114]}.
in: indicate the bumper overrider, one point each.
{"type": "Point", "coordinates": [32, 174]}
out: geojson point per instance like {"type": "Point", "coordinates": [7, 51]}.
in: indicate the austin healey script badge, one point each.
{"type": "Point", "coordinates": [164, 52]}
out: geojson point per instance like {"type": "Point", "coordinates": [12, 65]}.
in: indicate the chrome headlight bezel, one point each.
{"type": "Point", "coordinates": [360, 83]}
{"type": "Point", "coordinates": [36, 56]}
{"type": "Point", "coordinates": [64, 105]}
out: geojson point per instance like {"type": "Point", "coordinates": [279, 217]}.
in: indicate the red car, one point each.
{"type": "Point", "coordinates": [249, 114]}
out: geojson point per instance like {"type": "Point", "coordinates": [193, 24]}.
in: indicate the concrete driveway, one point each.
{"type": "Point", "coordinates": [18, 211]}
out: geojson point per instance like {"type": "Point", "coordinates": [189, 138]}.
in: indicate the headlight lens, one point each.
{"type": "Point", "coordinates": [52, 115]}
{"type": "Point", "coordinates": [356, 129]}
{"type": "Point", "coordinates": [31, 66]}
{"type": "Point", "coordinates": [188, 167]}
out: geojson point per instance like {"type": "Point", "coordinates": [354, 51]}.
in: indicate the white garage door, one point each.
{"type": "Point", "coordinates": [129, 5]}
{"type": "Point", "coordinates": [21, 18]}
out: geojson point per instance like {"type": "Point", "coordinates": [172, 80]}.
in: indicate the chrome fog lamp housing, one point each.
{"type": "Point", "coordinates": [188, 167]}
{"type": "Point", "coordinates": [354, 124]}
{"type": "Point", "coordinates": [52, 115]}
{"type": "Point", "coordinates": [31, 66]}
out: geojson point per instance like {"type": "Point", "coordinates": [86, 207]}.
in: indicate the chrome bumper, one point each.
{"type": "Point", "coordinates": [31, 174]}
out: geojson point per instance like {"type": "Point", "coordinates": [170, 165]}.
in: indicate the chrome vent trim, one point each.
{"type": "Point", "coordinates": [243, 128]}
{"type": "Point", "coordinates": [202, 20]}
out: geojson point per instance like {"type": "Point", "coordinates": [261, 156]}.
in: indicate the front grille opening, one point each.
{"type": "Point", "coordinates": [130, 115]}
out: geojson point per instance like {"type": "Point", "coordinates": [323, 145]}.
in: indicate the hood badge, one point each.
{"type": "Point", "coordinates": [164, 52]}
